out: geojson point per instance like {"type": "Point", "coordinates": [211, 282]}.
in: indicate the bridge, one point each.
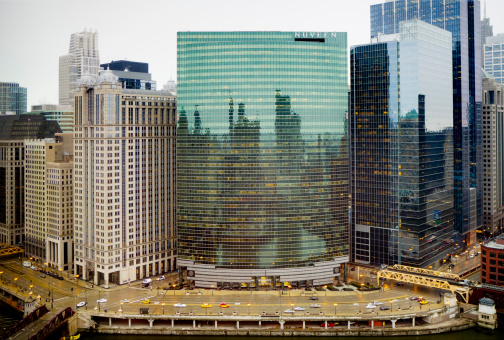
{"type": "Point", "coordinates": [428, 278]}
{"type": "Point", "coordinates": [9, 250]}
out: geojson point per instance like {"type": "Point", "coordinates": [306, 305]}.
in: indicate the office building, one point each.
{"type": "Point", "coordinates": [486, 31]}
{"type": "Point", "coordinates": [493, 157]}
{"type": "Point", "coordinates": [262, 174]}
{"type": "Point", "coordinates": [492, 261]}
{"type": "Point", "coordinates": [132, 74]}
{"type": "Point", "coordinates": [14, 130]}
{"type": "Point", "coordinates": [49, 200]}
{"type": "Point", "coordinates": [13, 99]}
{"type": "Point", "coordinates": [494, 54]}
{"type": "Point", "coordinates": [401, 151]}
{"type": "Point", "coordinates": [61, 114]}
{"type": "Point", "coordinates": [462, 19]}
{"type": "Point", "coordinates": [124, 181]}
{"type": "Point", "coordinates": [82, 59]}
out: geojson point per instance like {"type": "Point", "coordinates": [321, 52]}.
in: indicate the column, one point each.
{"type": "Point", "coordinates": [215, 324]}
{"type": "Point", "coordinates": [194, 324]}
{"type": "Point", "coordinates": [281, 324]}
{"type": "Point", "coordinates": [372, 324]}
{"type": "Point", "coordinates": [304, 324]}
{"type": "Point", "coordinates": [172, 323]}
{"type": "Point", "coordinates": [129, 323]}
{"type": "Point", "coordinates": [259, 323]}
{"type": "Point", "coordinates": [110, 322]}
{"type": "Point", "coordinates": [151, 321]}
{"type": "Point", "coordinates": [393, 323]}
{"type": "Point", "coordinates": [325, 324]}
{"type": "Point", "coordinates": [348, 324]}
{"type": "Point", "coordinates": [413, 322]}
{"type": "Point", "coordinates": [237, 324]}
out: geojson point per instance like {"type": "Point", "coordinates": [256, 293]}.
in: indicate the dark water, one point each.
{"type": "Point", "coordinates": [7, 319]}
{"type": "Point", "coordinates": [472, 334]}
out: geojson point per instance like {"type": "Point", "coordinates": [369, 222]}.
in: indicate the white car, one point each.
{"type": "Point", "coordinates": [472, 256]}
{"type": "Point", "coordinates": [179, 305]}
{"type": "Point", "coordinates": [146, 281]}
{"type": "Point", "coordinates": [370, 305]}
{"type": "Point", "coordinates": [101, 300]}
{"type": "Point", "coordinates": [288, 311]}
{"type": "Point", "coordinates": [81, 304]}
{"type": "Point", "coordinates": [125, 301]}
{"type": "Point", "coordinates": [315, 305]}
{"type": "Point", "coordinates": [160, 278]}
{"type": "Point", "coordinates": [299, 309]}
{"type": "Point", "coordinates": [377, 303]}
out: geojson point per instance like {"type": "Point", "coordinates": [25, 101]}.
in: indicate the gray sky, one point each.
{"type": "Point", "coordinates": [33, 34]}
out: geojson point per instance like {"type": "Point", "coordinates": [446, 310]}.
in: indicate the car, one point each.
{"type": "Point", "coordinates": [206, 305]}
{"type": "Point", "coordinates": [472, 256]}
{"type": "Point", "coordinates": [61, 278]}
{"type": "Point", "coordinates": [451, 266]}
{"type": "Point", "coordinates": [288, 311]}
{"type": "Point", "coordinates": [313, 298]}
{"type": "Point", "coordinates": [370, 305]}
{"type": "Point", "coordinates": [42, 276]}
{"type": "Point", "coordinates": [147, 281]}
{"type": "Point", "coordinates": [384, 308]}
{"type": "Point", "coordinates": [419, 299]}
{"type": "Point", "coordinates": [479, 252]}
{"type": "Point", "coordinates": [384, 266]}
{"type": "Point", "coordinates": [81, 304]}
{"type": "Point", "coordinates": [377, 303]}
{"type": "Point", "coordinates": [179, 305]}
{"type": "Point", "coordinates": [101, 300]}
{"type": "Point", "coordinates": [160, 278]}
{"type": "Point", "coordinates": [124, 301]}
{"type": "Point", "coordinates": [329, 324]}
{"type": "Point", "coordinates": [413, 298]}
{"type": "Point", "coordinates": [424, 302]}
{"type": "Point", "coordinates": [400, 284]}
{"type": "Point", "coordinates": [315, 305]}
{"type": "Point", "coordinates": [146, 301]}
{"type": "Point", "coordinates": [224, 305]}
{"type": "Point", "coordinates": [299, 309]}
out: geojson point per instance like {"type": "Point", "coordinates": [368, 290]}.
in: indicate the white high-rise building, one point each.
{"type": "Point", "coordinates": [124, 190]}
{"type": "Point", "coordinates": [82, 59]}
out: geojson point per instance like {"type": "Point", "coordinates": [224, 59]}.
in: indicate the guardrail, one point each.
{"type": "Point", "coordinates": [33, 316]}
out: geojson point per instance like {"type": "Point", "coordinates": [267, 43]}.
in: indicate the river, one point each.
{"type": "Point", "coordinates": [472, 334]}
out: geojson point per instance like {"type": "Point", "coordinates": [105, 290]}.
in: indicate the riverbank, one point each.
{"type": "Point", "coordinates": [452, 325]}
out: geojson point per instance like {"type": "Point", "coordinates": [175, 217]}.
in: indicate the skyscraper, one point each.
{"type": "Point", "coordinates": [124, 179]}
{"type": "Point", "coordinates": [132, 74]}
{"type": "Point", "coordinates": [462, 19]}
{"type": "Point", "coordinates": [401, 147]}
{"type": "Point", "coordinates": [13, 98]}
{"type": "Point", "coordinates": [82, 59]}
{"type": "Point", "coordinates": [486, 31]}
{"type": "Point", "coordinates": [493, 157]}
{"type": "Point", "coordinates": [63, 115]}
{"type": "Point", "coordinates": [262, 173]}
{"type": "Point", "coordinates": [494, 53]}
{"type": "Point", "coordinates": [14, 130]}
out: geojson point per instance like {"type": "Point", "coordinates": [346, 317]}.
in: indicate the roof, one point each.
{"type": "Point", "coordinates": [27, 126]}
{"type": "Point", "coordinates": [147, 92]}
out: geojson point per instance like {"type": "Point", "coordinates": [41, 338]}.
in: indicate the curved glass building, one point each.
{"type": "Point", "coordinates": [262, 160]}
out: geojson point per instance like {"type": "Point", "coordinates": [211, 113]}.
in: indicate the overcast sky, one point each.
{"type": "Point", "coordinates": [33, 34]}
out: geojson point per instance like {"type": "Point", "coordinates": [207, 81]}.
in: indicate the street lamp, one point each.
{"type": "Point", "coordinates": [15, 281]}
{"type": "Point", "coordinates": [335, 305]}
{"type": "Point", "coordinates": [249, 308]}
{"type": "Point", "coordinates": [467, 253]}
{"type": "Point", "coordinates": [120, 309]}
{"type": "Point", "coordinates": [163, 307]}
{"type": "Point", "coordinates": [391, 305]}
{"type": "Point", "coordinates": [61, 272]}
{"type": "Point", "coordinates": [212, 289]}
{"type": "Point", "coordinates": [292, 308]}
{"type": "Point", "coordinates": [1, 276]}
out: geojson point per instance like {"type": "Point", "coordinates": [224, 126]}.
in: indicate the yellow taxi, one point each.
{"type": "Point", "coordinates": [206, 305]}
{"type": "Point", "coordinates": [424, 302]}
{"type": "Point", "coordinates": [146, 301]}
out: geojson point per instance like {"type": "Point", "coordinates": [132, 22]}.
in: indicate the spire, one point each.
{"type": "Point", "coordinates": [484, 10]}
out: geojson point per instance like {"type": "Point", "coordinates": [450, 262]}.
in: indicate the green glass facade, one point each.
{"type": "Point", "coordinates": [262, 160]}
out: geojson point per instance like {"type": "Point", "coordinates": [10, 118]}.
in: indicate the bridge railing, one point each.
{"type": "Point", "coordinates": [33, 316]}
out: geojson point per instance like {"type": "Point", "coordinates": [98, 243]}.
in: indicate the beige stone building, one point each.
{"type": "Point", "coordinates": [49, 201]}
{"type": "Point", "coordinates": [124, 181]}
{"type": "Point", "coordinates": [493, 157]}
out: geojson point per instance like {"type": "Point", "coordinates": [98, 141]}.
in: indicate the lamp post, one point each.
{"type": "Point", "coordinates": [61, 272]}
{"type": "Point", "coordinates": [212, 289]}
{"type": "Point", "coordinates": [206, 308]}
{"type": "Point", "coordinates": [163, 307]}
{"type": "Point", "coordinates": [391, 305]}
{"type": "Point", "coordinates": [1, 276]}
{"type": "Point", "coordinates": [335, 305]}
{"type": "Point", "coordinates": [15, 281]}
{"type": "Point", "coordinates": [120, 309]}
{"type": "Point", "coordinates": [52, 297]}
{"type": "Point", "coordinates": [467, 253]}
{"type": "Point", "coordinates": [249, 308]}
{"type": "Point", "coordinates": [292, 308]}
{"type": "Point", "coordinates": [99, 298]}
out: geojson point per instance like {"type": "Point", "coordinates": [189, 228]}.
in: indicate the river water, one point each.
{"type": "Point", "coordinates": [472, 334]}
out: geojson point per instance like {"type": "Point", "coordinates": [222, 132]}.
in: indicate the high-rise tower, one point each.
{"type": "Point", "coordinates": [462, 19]}
{"type": "Point", "coordinates": [262, 173]}
{"type": "Point", "coordinates": [82, 59]}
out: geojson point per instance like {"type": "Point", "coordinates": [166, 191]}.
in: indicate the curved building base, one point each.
{"type": "Point", "coordinates": [208, 276]}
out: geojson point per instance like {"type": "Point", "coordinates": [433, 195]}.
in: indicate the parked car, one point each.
{"type": "Point", "coordinates": [472, 256]}
{"type": "Point", "coordinates": [147, 281]}
{"type": "Point", "coordinates": [160, 278]}
{"type": "Point", "coordinates": [42, 276]}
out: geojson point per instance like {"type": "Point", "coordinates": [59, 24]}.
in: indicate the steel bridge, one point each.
{"type": "Point", "coordinates": [426, 277]}
{"type": "Point", "coordinates": [7, 249]}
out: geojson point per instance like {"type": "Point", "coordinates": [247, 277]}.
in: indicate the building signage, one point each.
{"type": "Point", "coordinates": [315, 34]}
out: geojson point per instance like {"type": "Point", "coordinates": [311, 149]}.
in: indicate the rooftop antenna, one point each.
{"type": "Point", "coordinates": [485, 10]}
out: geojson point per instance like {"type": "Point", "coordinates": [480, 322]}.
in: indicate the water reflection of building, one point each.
{"type": "Point", "coordinates": [262, 188]}
{"type": "Point", "coordinates": [401, 146]}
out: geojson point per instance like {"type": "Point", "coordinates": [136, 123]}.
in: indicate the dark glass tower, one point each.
{"type": "Point", "coordinates": [401, 142]}
{"type": "Point", "coordinates": [462, 19]}
{"type": "Point", "coordinates": [262, 174]}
